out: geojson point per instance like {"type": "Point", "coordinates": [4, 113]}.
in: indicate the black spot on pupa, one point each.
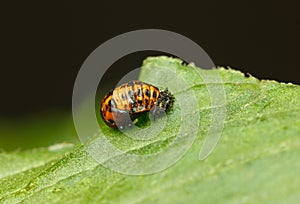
{"type": "Point", "coordinates": [146, 102]}
{"type": "Point", "coordinates": [154, 94]}
{"type": "Point", "coordinates": [147, 92]}
{"type": "Point", "coordinates": [139, 93]}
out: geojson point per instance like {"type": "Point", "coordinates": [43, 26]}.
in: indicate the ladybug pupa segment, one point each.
{"type": "Point", "coordinates": [163, 103]}
{"type": "Point", "coordinates": [165, 100]}
{"type": "Point", "coordinates": [127, 101]}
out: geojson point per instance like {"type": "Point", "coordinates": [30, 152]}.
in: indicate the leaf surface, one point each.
{"type": "Point", "coordinates": [255, 161]}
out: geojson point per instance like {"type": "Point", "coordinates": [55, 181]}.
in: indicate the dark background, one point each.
{"type": "Point", "coordinates": [44, 43]}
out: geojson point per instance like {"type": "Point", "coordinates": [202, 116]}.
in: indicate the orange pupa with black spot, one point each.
{"type": "Point", "coordinates": [121, 106]}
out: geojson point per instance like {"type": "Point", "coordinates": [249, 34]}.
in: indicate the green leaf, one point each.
{"type": "Point", "coordinates": [255, 161]}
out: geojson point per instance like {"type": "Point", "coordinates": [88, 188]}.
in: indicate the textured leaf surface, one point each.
{"type": "Point", "coordinates": [255, 161]}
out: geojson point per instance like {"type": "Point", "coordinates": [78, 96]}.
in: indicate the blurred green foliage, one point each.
{"type": "Point", "coordinates": [39, 130]}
